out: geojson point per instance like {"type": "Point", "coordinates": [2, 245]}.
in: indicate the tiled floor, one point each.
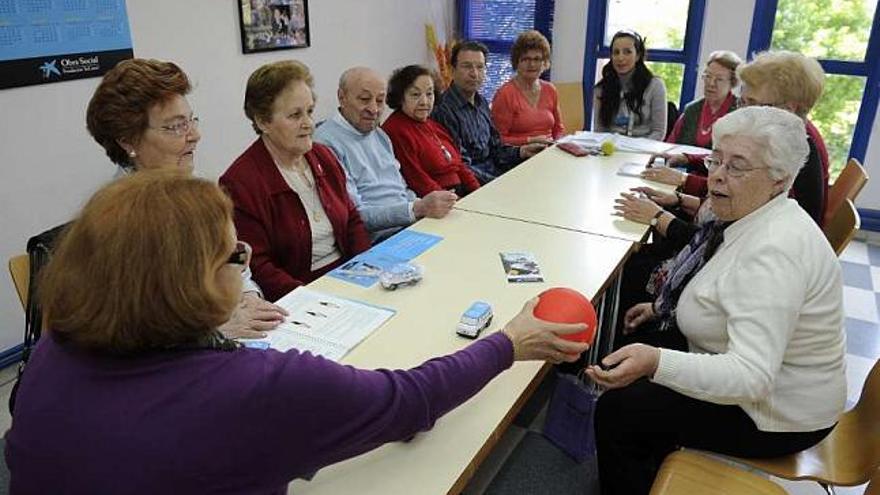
{"type": "Point", "coordinates": [861, 297]}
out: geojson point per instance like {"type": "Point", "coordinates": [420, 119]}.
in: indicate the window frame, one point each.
{"type": "Point", "coordinates": [761, 35]}
{"type": "Point", "coordinates": [543, 22]}
{"type": "Point", "coordinates": [689, 56]}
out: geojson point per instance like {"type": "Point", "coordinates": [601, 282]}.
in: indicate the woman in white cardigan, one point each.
{"type": "Point", "coordinates": [757, 296]}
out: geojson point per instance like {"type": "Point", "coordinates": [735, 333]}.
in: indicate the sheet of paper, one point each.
{"type": "Point", "coordinates": [639, 145]}
{"type": "Point", "coordinates": [323, 324]}
{"type": "Point", "coordinates": [693, 150]}
{"type": "Point", "coordinates": [631, 169]}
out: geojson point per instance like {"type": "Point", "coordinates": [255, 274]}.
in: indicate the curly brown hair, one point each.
{"type": "Point", "coordinates": [119, 108]}
{"type": "Point", "coordinates": [266, 83]}
{"type": "Point", "coordinates": [529, 40]}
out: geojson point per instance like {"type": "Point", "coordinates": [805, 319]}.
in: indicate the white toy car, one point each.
{"type": "Point", "coordinates": [400, 275]}
{"type": "Point", "coordinates": [474, 320]}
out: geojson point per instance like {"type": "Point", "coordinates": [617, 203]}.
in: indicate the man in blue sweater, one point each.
{"type": "Point", "coordinates": [372, 172]}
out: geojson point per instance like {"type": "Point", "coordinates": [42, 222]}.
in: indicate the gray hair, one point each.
{"type": "Point", "coordinates": [356, 72]}
{"type": "Point", "coordinates": [782, 134]}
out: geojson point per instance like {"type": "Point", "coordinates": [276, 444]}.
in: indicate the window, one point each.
{"type": "Point", "coordinates": [671, 29]}
{"type": "Point", "coordinates": [839, 34]}
{"type": "Point", "coordinates": [497, 23]}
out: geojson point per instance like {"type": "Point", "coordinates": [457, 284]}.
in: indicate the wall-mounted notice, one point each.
{"type": "Point", "coordinates": [46, 41]}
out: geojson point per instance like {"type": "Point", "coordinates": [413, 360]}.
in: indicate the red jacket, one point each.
{"type": "Point", "coordinates": [417, 146]}
{"type": "Point", "coordinates": [271, 218]}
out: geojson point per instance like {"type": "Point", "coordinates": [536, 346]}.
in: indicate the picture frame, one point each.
{"type": "Point", "coordinates": [268, 25]}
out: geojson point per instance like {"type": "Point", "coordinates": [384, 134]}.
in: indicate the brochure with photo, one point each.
{"type": "Point", "coordinates": [521, 267]}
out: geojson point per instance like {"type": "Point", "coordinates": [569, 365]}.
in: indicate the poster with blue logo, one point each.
{"type": "Point", "coordinates": [47, 41]}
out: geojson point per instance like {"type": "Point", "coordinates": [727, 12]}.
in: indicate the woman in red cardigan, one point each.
{"type": "Point", "coordinates": [429, 159]}
{"type": "Point", "coordinates": [291, 204]}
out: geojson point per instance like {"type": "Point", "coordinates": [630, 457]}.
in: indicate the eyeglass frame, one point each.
{"type": "Point", "coordinates": [241, 255]}
{"type": "Point", "coordinates": [179, 129]}
{"type": "Point", "coordinates": [712, 163]}
{"type": "Point", "coordinates": [706, 77]}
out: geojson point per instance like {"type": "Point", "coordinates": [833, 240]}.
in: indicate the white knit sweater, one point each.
{"type": "Point", "coordinates": [763, 319]}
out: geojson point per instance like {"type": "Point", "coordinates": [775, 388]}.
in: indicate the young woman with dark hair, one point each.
{"type": "Point", "coordinates": [629, 99]}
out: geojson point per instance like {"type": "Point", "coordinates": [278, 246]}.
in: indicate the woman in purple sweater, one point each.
{"type": "Point", "coordinates": [134, 391]}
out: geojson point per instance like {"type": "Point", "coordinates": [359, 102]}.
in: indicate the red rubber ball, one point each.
{"type": "Point", "coordinates": [563, 305]}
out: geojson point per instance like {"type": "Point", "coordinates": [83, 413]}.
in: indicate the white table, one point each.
{"type": "Point", "coordinates": [557, 189]}
{"type": "Point", "coordinates": [462, 268]}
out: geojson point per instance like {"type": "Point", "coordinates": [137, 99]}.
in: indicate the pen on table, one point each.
{"type": "Point", "coordinates": [315, 313]}
{"type": "Point", "coordinates": [328, 304]}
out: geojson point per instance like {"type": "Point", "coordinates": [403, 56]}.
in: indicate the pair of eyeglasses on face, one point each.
{"type": "Point", "coordinates": [469, 67]}
{"type": "Point", "coordinates": [241, 255]}
{"type": "Point", "coordinates": [531, 60]}
{"type": "Point", "coordinates": [735, 167]}
{"type": "Point", "coordinates": [179, 128]}
{"type": "Point", "coordinates": [716, 80]}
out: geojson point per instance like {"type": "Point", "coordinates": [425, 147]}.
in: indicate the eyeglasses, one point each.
{"type": "Point", "coordinates": [241, 255]}
{"type": "Point", "coordinates": [735, 168]}
{"type": "Point", "coordinates": [709, 78]}
{"type": "Point", "coordinates": [533, 60]}
{"type": "Point", "coordinates": [469, 67]}
{"type": "Point", "coordinates": [180, 128]}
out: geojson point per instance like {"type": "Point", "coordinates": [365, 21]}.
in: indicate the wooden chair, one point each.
{"type": "Point", "coordinates": [687, 472]}
{"type": "Point", "coordinates": [571, 105]}
{"type": "Point", "coordinates": [874, 486]}
{"type": "Point", "coordinates": [848, 456]}
{"type": "Point", "coordinates": [19, 268]}
{"type": "Point", "coordinates": [847, 186]}
{"type": "Point", "coordinates": [842, 226]}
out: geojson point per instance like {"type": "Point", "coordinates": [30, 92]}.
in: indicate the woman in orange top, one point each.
{"type": "Point", "coordinates": [526, 109]}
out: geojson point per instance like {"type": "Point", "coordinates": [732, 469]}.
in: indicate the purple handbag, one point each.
{"type": "Point", "coordinates": [569, 423]}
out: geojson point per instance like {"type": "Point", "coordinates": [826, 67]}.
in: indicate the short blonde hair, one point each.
{"type": "Point", "coordinates": [267, 82]}
{"type": "Point", "coordinates": [136, 270]}
{"type": "Point", "coordinates": [728, 60]}
{"type": "Point", "coordinates": [792, 78]}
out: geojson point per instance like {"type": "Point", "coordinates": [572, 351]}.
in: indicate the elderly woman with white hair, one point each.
{"type": "Point", "coordinates": [756, 296]}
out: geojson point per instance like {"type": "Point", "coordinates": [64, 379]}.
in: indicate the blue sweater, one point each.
{"type": "Point", "coordinates": [372, 176]}
{"type": "Point", "coordinates": [207, 421]}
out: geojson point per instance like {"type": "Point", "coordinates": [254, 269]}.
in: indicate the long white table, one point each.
{"type": "Point", "coordinates": [557, 189]}
{"type": "Point", "coordinates": [462, 268]}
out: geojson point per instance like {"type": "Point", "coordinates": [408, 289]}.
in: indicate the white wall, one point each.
{"type": "Point", "coordinates": [49, 165]}
{"type": "Point", "coordinates": [727, 26]}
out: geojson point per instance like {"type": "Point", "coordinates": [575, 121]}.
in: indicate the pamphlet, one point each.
{"type": "Point", "coordinates": [521, 267]}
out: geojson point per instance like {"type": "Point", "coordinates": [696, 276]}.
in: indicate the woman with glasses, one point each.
{"type": "Point", "coordinates": [525, 109]}
{"type": "Point", "coordinates": [745, 330]}
{"type": "Point", "coordinates": [629, 99]}
{"type": "Point", "coordinates": [130, 390]}
{"type": "Point", "coordinates": [429, 158]}
{"type": "Point", "coordinates": [781, 79]}
{"type": "Point", "coordinates": [694, 125]}
{"type": "Point", "coordinates": [291, 202]}
{"type": "Point", "coordinates": [140, 115]}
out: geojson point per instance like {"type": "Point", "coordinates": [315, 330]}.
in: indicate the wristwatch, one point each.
{"type": "Point", "coordinates": [654, 221]}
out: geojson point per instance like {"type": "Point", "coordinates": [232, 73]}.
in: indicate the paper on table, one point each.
{"type": "Point", "coordinates": [640, 145]}
{"type": "Point", "coordinates": [684, 148]}
{"type": "Point", "coordinates": [323, 324]}
{"type": "Point", "coordinates": [631, 169]}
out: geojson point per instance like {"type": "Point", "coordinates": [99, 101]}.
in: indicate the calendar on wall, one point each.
{"type": "Point", "coordinates": [48, 41]}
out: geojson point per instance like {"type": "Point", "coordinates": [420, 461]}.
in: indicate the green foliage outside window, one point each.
{"type": "Point", "coordinates": [837, 30]}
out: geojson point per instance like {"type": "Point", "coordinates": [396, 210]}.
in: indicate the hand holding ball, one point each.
{"type": "Point", "coordinates": [562, 305]}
